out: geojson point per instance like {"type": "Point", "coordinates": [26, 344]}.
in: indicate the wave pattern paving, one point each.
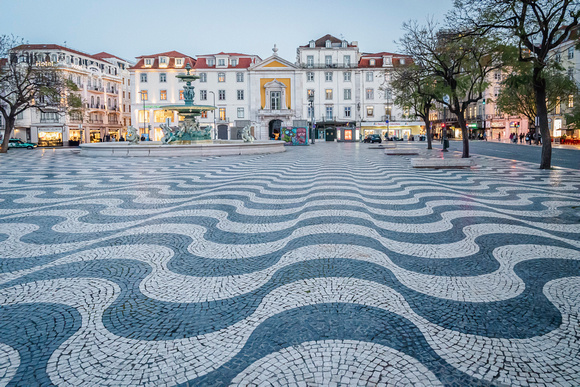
{"type": "Point", "coordinates": [325, 265]}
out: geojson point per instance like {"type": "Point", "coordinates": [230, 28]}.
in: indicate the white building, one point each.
{"type": "Point", "coordinates": [225, 83]}
{"type": "Point", "coordinates": [153, 87]}
{"type": "Point", "coordinates": [99, 78]}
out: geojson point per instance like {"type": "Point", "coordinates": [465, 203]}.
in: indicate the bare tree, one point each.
{"type": "Point", "coordinates": [459, 65]}
{"type": "Point", "coordinates": [414, 89]}
{"type": "Point", "coordinates": [26, 84]}
{"type": "Point", "coordinates": [538, 27]}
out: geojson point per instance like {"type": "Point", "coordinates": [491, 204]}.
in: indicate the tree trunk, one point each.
{"type": "Point", "coordinates": [540, 92]}
{"type": "Point", "coordinates": [463, 126]}
{"type": "Point", "coordinates": [464, 134]}
{"type": "Point", "coordinates": [428, 129]}
{"type": "Point", "coordinates": [7, 134]}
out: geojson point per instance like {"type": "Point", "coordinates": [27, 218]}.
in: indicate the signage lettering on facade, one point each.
{"type": "Point", "coordinates": [44, 64]}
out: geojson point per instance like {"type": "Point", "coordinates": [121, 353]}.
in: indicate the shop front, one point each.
{"type": "Point", "coordinates": [74, 137]}
{"type": "Point", "coordinates": [50, 137]}
{"type": "Point", "coordinates": [347, 134]}
{"type": "Point", "coordinates": [95, 135]}
{"type": "Point", "coordinates": [404, 129]}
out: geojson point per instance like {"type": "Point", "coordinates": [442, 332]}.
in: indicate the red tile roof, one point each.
{"type": "Point", "coordinates": [364, 61]}
{"type": "Point", "coordinates": [243, 63]}
{"type": "Point", "coordinates": [105, 55]}
{"type": "Point", "coordinates": [171, 65]}
{"type": "Point", "coordinates": [52, 47]}
{"type": "Point", "coordinates": [173, 54]}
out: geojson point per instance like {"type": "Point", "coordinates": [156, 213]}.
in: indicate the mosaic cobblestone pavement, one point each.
{"type": "Point", "coordinates": [326, 265]}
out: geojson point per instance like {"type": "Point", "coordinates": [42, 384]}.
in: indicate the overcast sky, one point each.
{"type": "Point", "coordinates": [129, 28]}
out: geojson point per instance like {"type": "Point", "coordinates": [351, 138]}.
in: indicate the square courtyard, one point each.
{"type": "Point", "coordinates": [331, 264]}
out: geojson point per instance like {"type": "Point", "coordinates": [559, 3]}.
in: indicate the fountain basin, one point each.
{"type": "Point", "coordinates": [155, 148]}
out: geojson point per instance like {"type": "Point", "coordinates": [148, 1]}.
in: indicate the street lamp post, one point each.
{"type": "Point", "coordinates": [144, 115]}
{"type": "Point", "coordinates": [361, 134]}
{"type": "Point", "coordinates": [311, 106]}
{"type": "Point", "coordinates": [214, 121]}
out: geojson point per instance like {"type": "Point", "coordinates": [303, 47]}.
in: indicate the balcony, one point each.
{"type": "Point", "coordinates": [275, 113]}
{"type": "Point", "coordinates": [113, 91]}
{"type": "Point", "coordinates": [49, 120]}
{"type": "Point", "coordinates": [95, 121]}
{"type": "Point", "coordinates": [96, 88]}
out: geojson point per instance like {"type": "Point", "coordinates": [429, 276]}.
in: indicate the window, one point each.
{"type": "Point", "coordinates": [148, 61]}
{"type": "Point", "coordinates": [233, 62]}
{"type": "Point", "coordinates": [143, 77]}
{"type": "Point", "coordinates": [329, 115]}
{"type": "Point", "coordinates": [310, 76]}
{"type": "Point", "coordinates": [221, 62]}
{"type": "Point", "coordinates": [310, 92]}
{"type": "Point", "coordinates": [369, 75]}
{"type": "Point", "coordinates": [558, 103]}
{"type": "Point", "coordinates": [275, 100]}
{"type": "Point", "coordinates": [143, 113]}
{"type": "Point", "coordinates": [328, 60]}
{"type": "Point", "coordinates": [372, 62]}
{"type": "Point", "coordinates": [143, 93]}
{"type": "Point", "coordinates": [571, 52]}
{"type": "Point", "coordinates": [162, 115]}
{"type": "Point", "coordinates": [162, 77]}
{"type": "Point", "coordinates": [570, 101]}
{"type": "Point", "coordinates": [346, 76]}
{"type": "Point", "coordinates": [210, 62]}
{"type": "Point", "coordinates": [221, 77]}
{"type": "Point", "coordinates": [370, 93]}
{"type": "Point", "coordinates": [347, 60]}
{"type": "Point", "coordinates": [558, 57]}
{"type": "Point", "coordinates": [203, 77]}
{"type": "Point", "coordinates": [497, 75]}
{"type": "Point", "coordinates": [328, 93]}
{"type": "Point", "coordinates": [328, 44]}
{"type": "Point", "coordinates": [181, 95]}
{"type": "Point", "coordinates": [240, 95]}
{"type": "Point", "coordinates": [347, 112]}
{"type": "Point", "coordinates": [370, 111]}
{"type": "Point", "coordinates": [347, 94]}
{"type": "Point", "coordinates": [204, 114]}
{"type": "Point", "coordinates": [328, 76]}
{"type": "Point", "coordinates": [163, 95]}
{"type": "Point", "coordinates": [310, 60]}
{"type": "Point", "coordinates": [178, 62]}
{"type": "Point", "coordinates": [571, 73]}
{"type": "Point", "coordinates": [239, 77]}
{"type": "Point", "coordinates": [222, 95]}
{"type": "Point", "coordinates": [402, 61]}
{"type": "Point", "coordinates": [240, 112]}
{"type": "Point", "coordinates": [222, 114]}
{"type": "Point", "coordinates": [203, 95]}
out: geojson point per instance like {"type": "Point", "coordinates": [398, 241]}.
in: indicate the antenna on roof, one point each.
{"type": "Point", "coordinates": [65, 43]}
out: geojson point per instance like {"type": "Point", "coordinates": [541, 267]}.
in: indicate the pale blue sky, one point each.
{"type": "Point", "coordinates": [129, 28]}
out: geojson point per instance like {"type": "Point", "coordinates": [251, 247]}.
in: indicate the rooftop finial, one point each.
{"type": "Point", "coordinates": [275, 49]}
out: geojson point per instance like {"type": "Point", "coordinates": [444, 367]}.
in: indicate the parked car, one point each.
{"type": "Point", "coordinates": [395, 138]}
{"type": "Point", "coordinates": [372, 138]}
{"type": "Point", "coordinates": [18, 143]}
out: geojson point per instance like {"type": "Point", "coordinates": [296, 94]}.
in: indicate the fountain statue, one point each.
{"type": "Point", "coordinates": [188, 131]}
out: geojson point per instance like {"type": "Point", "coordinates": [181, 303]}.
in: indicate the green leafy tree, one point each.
{"type": "Point", "coordinates": [517, 93]}
{"type": "Point", "coordinates": [537, 27]}
{"type": "Point", "coordinates": [416, 90]}
{"type": "Point", "coordinates": [458, 63]}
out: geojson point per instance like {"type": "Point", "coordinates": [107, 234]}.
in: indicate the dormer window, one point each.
{"type": "Point", "coordinates": [178, 62]}
{"type": "Point", "coordinates": [372, 62]}
{"type": "Point", "coordinates": [148, 62]}
{"type": "Point", "coordinates": [344, 44]}
{"type": "Point", "coordinates": [233, 62]}
{"type": "Point", "coordinates": [312, 44]}
{"type": "Point", "coordinates": [163, 61]}
{"type": "Point", "coordinates": [221, 62]}
{"type": "Point", "coordinates": [210, 62]}
{"type": "Point", "coordinates": [328, 44]}
{"type": "Point", "coordinates": [402, 61]}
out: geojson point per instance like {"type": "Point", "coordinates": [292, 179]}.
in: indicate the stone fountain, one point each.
{"type": "Point", "coordinates": [188, 131]}
{"type": "Point", "coordinates": [186, 139]}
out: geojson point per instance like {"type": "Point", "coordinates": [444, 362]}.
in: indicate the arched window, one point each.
{"type": "Point", "coordinates": [92, 101]}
